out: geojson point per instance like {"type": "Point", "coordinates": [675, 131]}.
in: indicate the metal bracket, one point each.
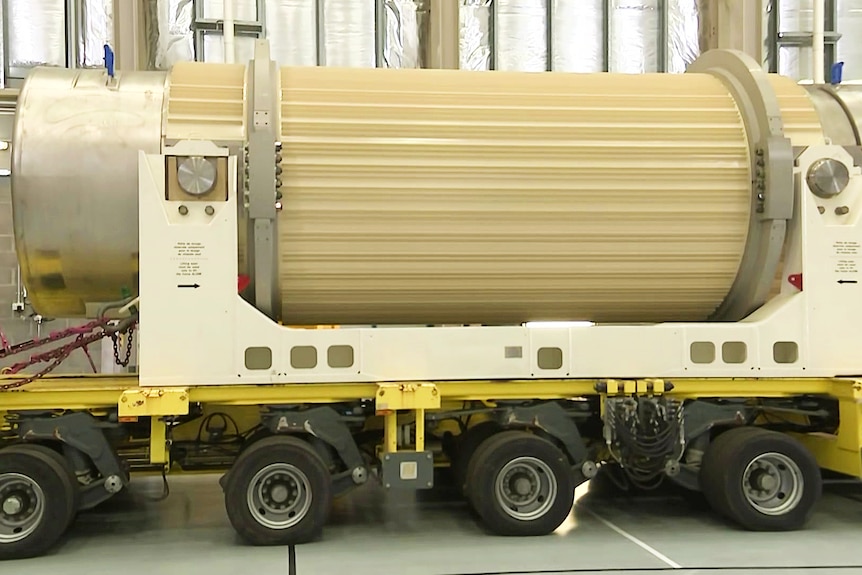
{"type": "Point", "coordinates": [772, 177]}
{"type": "Point", "coordinates": [262, 129]}
{"type": "Point", "coordinates": [83, 432]}
{"type": "Point", "coordinates": [634, 386]}
{"type": "Point", "coordinates": [406, 396]}
{"type": "Point", "coordinates": [552, 419]}
{"type": "Point", "coordinates": [153, 402]}
{"type": "Point", "coordinates": [327, 425]}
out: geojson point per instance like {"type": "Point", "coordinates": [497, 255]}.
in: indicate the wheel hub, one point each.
{"type": "Point", "coordinates": [279, 496]}
{"type": "Point", "coordinates": [12, 505]}
{"type": "Point", "coordinates": [772, 484]}
{"type": "Point", "coordinates": [526, 488]}
{"type": "Point", "coordinates": [21, 507]}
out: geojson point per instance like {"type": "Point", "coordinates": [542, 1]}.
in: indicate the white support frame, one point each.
{"type": "Point", "coordinates": [200, 336]}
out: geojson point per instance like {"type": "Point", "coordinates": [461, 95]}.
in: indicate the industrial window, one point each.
{"type": "Point", "coordinates": [340, 356]}
{"type": "Point", "coordinates": [785, 352]}
{"type": "Point", "coordinates": [550, 358]}
{"type": "Point", "coordinates": [258, 358]}
{"type": "Point", "coordinates": [702, 352]}
{"type": "Point", "coordinates": [734, 352]}
{"type": "Point", "coordinates": [303, 357]}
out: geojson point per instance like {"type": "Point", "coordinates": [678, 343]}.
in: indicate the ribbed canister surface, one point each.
{"type": "Point", "coordinates": [451, 197]}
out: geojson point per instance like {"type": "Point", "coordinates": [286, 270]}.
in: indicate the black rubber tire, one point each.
{"type": "Point", "coordinates": [491, 456]}
{"type": "Point", "coordinates": [278, 449]}
{"type": "Point", "coordinates": [712, 468]}
{"type": "Point", "coordinates": [48, 470]}
{"type": "Point", "coordinates": [723, 468]}
{"type": "Point", "coordinates": [466, 448]}
{"type": "Point", "coordinates": [72, 484]}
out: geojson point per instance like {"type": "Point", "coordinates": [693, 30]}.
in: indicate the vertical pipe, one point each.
{"type": "Point", "coordinates": [379, 33]}
{"type": "Point", "coordinates": [606, 30]}
{"type": "Point", "coordinates": [4, 65]}
{"type": "Point", "coordinates": [390, 432]}
{"type": "Point", "coordinates": [420, 430]}
{"type": "Point", "coordinates": [321, 32]}
{"type": "Point", "coordinates": [662, 56]}
{"type": "Point", "coordinates": [549, 33]}
{"type": "Point", "coordinates": [73, 15]}
{"type": "Point", "coordinates": [443, 45]}
{"type": "Point", "coordinates": [228, 33]}
{"type": "Point", "coordinates": [819, 41]}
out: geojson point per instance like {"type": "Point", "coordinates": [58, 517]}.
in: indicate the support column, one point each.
{"type": "Point", "coordinates": [129, 35]}
{"type": "Point", "coordinates": [443, 49]}
{"type": "Point", "coordinates": [737, 25]}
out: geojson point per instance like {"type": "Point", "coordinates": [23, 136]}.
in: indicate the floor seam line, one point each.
{"type": "Point", "coordinates": [645, 546]}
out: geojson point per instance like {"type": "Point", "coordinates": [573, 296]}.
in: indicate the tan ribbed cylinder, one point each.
{"type": "Point", "coordinates": [452, 197]}
{"type": "Point", "coordinates": [418, 196]}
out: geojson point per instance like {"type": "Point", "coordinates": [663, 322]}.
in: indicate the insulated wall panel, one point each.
{"type": "Point", "coordinates": [634, 36]}
{"type": "Point", "coordinates": [522, 35]}
{"type": "Point", "coordinates": [291, 27]}
{"type": "Point", "coordinates": [578, 35]}
{"type": "Point", "coordinates": [850, 44]}
{"type": "Point", "coordinates": [683, 33]}
{"type": "Point", "coordinates": [37, 33]}
{"type": "Point", "coordinates": [243, 10]}
{"type": "Point", "coordinates": [172, 39]}
{"type": "Point", "coordinates": [97, 29]}
{"type": "Point", "coordinates": [796, 16]}
{"type": "Point", "coordinates": [401, 43]}
{"type": "Point", "coordinates": [349, 34]}
{"type": "Point", "coordinates": [475, 34]}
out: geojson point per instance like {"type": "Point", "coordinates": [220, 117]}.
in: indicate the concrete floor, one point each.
{"type": "Point", "coordinates": [435, 534]}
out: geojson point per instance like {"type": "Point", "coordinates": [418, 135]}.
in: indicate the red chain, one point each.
{"type": "Point", "coordinates": [84, 335]}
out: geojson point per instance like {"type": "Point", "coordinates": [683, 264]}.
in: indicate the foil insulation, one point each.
{"type": "Point", "coordinates": [578, 37]}
{"type": "Point", "coordinates": [401, 47]}
{"type": "Point", "coordinates": [172, 39]}
{"type": "Point", "coordinates": [38, 36]}
{"type": "Point", "coordinates": [291, 26]}
{"type": "Point", "coordinates": [683, 33]}
{"type": "Point", "coordinates": [214, 48]}
{"type": "Point", "coordinates": [796, 16]}
{"type": "Point", "coordinates": [97, 29]}
{"type": "Point", "coordinates": [475, 35]}
{"type": "Point", "coordinates": [850, 44]}
{"type": "Point", "coordinates": [349, 38]}
{"type": "Point", "coordinates": [243, 10]}
{"type": "Point", "coordinates": [634, 37]}
{"type": "Point", "coordinates": [522, 35]}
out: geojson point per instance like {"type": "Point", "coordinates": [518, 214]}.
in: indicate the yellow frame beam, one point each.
{"type": "Point", "coordinates": [97, 392]}
{"type": "Point", "coordinates": [839, 452]}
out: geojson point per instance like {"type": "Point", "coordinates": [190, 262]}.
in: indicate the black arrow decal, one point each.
{"type": "Point", "coordinates": [847, 281]}
{"type": "Point", "coordinates": [194, 286]}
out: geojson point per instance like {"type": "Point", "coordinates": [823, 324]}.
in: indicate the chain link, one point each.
{"type": "Point", "coordinates": [84, 336]}
{"type": "Point", "coordinates": [116, 337]}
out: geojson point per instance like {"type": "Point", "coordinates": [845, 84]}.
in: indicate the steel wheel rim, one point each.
{"type": "Point", "coordinates": [279, 496]}
{"type": "Point", "coordinates": [22, 507]}
{"type": "Point", "coordinates": [525, 488]}
{"type": "Point", "coordinates": [772, 484]}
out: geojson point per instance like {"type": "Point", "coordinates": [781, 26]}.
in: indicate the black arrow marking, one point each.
{"type": "Point", "coordinates": [194, 286]}
{"type": "Point", "coordinates": [847, 281]}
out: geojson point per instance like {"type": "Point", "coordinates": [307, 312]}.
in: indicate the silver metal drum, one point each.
{"type": "Point", "coordinates": [75, 161]}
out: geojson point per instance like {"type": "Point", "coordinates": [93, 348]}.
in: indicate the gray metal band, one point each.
{"type": "Point", "coordinates": [772, 178]}
{"type": "Point", "coordinates": [850, 98]}
{"type": "Point", "coordinates": [262, 134]}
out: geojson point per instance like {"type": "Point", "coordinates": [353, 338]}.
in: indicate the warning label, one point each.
{"type": "Point", "coordinates": [846, 248]}
{"type": "Point", "coordinates": [846, 267]}
{"type": "Point", "coordinates": [189, 256]}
